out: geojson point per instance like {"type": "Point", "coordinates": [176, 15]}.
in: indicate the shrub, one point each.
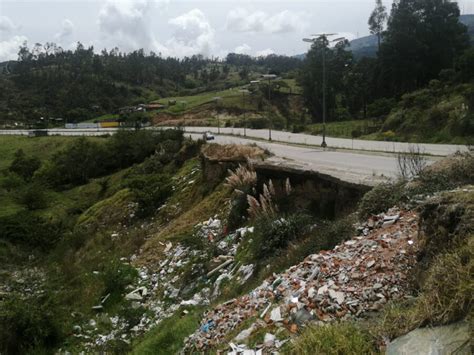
{"type": "Point", "coordinates": [448, 174]}
{"type": "Point", "coordinates": [150, 191]}
{"type": "Point", "coordinates": [272, 235]}
{"type": "Point", "coordinates": [380, 107]}
{"type": "Point", "coordinates": [12, 181]}
{"type": "Point", "coordinates": [31, 230]}
{"type": "Point", "coordinates": [24, 166]}
{"type": "Point", "coordinates": [411, 163]}
{"type": "Point", "coordinates": [380, 198]}
{"type": "Point", "coordinates": [28, 326]}
{"type": "Point", "coordinates": [33, 197]}
{"type": "Point", "coordinates": [337, 338]}
{"type": "Point", "coordinates": [117, 276]}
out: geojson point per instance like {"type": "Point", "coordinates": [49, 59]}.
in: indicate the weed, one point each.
{"type": "Point", "coordinates": [380, 198]}
{"type": "Point", "coordinates": [411, 163]}
{"type": "Point", "coordinates": [338, 338]}
{"type": "Point", "coordinates": [28, 325]}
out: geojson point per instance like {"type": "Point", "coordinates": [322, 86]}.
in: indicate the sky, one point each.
{"type": "Point", "coordinates": [183, 27]}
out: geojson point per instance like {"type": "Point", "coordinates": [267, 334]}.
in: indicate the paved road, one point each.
{"type": "Point", "coordinates": [355, 167]}
{"type": "Point", "coordinates": [357, 144]}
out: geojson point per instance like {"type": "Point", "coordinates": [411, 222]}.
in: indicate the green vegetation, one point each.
{"type": "Point", "coordinates": [169, 335]}
{"type": "Point", "coordinates": [65, 231]}
{"type": "Point", "coordinates": [333, 339]}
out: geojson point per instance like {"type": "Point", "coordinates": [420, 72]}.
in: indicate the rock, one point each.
{"type": "Point", "coordinates": [275, 315]}
{"type": "Point", "coordinates": [370, 263]}
{"type": "Point", "coordinates": [77, 329]}
{"type": "Point", "coordinates": [322, 289]}
{"type": "Point", "coordinates": [450, 339]}
{"type": "Point", "coordinates": [244, 334]}
{"type": "Point", "coordinates": [301, 316]}
{"type": "Point", "coordinates": [269, 340]}
{"type": "Point", "coordinates": [137, 294]}
{"type": "Point", "coordinates": [337, 296]}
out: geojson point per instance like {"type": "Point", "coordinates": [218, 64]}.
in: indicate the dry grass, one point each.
{"type": "Point", "coordinates": [232, 152]}
{"type": "Point", "coordinates": [265, 205]}
{"type": "Point", "coordinates": [446, 296]}
{"type": "Point", "coordinates": [445, 269]}
{"type": "Point", "coordinates": [243, 179]}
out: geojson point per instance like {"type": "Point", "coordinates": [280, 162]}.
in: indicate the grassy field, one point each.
{"type": "Point", "coordinates": [344, 129]}
{"type": "Point", "coordinates": [184, 103]}
{"type": "Point", "coordinates": [43, 148]}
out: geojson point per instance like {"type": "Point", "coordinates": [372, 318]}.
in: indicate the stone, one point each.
{"type": "Point", "coordinates": [301, 316]}
{"type": "Point", "coordinates": [370, 263]}
{"type": "Point", "coordinates": [322, 289]}
{"type": "Point", "coordinates": [244, 334]}
{"type": "Point", "coordinates": [269, 340]}
{"type": "Point", "coordinates": [449, 339]}
{"type": "Point", "coordinates": [337, 296]}
{"type": "Point", "coordinates": [275, 315]}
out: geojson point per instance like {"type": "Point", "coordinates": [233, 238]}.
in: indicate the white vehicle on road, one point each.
{"type": "Point", "coordinates": [208, 136]}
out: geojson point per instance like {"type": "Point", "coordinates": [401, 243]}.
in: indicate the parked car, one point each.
{"type": "Point", "coordinates": [208, 136]}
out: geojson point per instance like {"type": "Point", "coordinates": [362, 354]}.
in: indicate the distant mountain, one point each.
{"type": "Point", "coordinates": [367, 46]}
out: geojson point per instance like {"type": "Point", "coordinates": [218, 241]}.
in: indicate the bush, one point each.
{"type": "Point", "coordinates": [337, 339]}
{"type": "Point", "coordinates": [272, 235]}
{"type": "Point", "coordinates": [12, 181]}
{"type": "Point", "coordinates": [117, 276]}
{"type": "Point", "coordinates": [33, 197]}
{"type": "Point", "coordinates": [380, 199]}
{"type": "Point", "coordinates": [24, 166]}
{"type": "Point", "coordinates": [150, 191]}
{"type": "Point", "coordinates": [28, 326]}
{"type": "Point", "coordinates": [28, 229]}
{"type": "Point", "coordinates": [380, 107]}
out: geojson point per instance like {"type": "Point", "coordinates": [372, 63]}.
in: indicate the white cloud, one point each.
{"type": "Point", "coordinates": [9, 48]}
{"type": "Point", "coordinates": [241, 20]}
{"type": "Point", "coordinates": [242, 49]}
{"type": "Point", "coordinates": [264, 52]}
{"type": "Point", "coordinates": [7, 25]}
{"type": "Point", "coordinates": [125, 23]}
{"type": "Point", "coordinates": [67, 28]}
{"type": "Point", "coordinates": [193, 35]}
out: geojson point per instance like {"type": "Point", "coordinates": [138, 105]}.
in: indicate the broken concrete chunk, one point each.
{"type": "Point", "coordinates": [275, 315]}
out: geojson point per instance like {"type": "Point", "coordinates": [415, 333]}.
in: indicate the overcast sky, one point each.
{"type": "Point", "coordinates": [182, 27]}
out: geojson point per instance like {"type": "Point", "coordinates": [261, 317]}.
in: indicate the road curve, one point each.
{"type": "Point", "coordinates": [353, 167]}
{"type": "Point", "coordinates": [342, 143]}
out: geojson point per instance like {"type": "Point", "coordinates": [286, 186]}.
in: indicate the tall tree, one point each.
{"type": "Point", "coordinates": [377, 20]}
{"type": "Point", "coordinates": [338, 61]}
{"type": "Point", "coordinates": [423, 37]}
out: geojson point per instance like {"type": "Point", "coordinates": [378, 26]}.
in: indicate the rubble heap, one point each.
{"type": "Point", "coordinates": [357, 276]}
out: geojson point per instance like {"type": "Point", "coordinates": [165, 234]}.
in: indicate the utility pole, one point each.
{"type": "Point", "coordinates": [269, 77]}
{"type": "Point", "coordinates": [216, 100]}
{"type": "Point", "coordinates": [244, 91]}
{"type": "Point", "coordinates": [323, 39]}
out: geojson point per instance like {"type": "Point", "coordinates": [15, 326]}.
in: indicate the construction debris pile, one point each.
{"type": "Point", "coordinates": [357, 276]}
{"type": "Point", "coordinates": [160, 291]}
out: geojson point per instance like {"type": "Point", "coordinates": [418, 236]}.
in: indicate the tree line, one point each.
{"type": "Point", "coordinates": [420, 40]}
{"type": "Point", "coordinates": [48, 81]}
